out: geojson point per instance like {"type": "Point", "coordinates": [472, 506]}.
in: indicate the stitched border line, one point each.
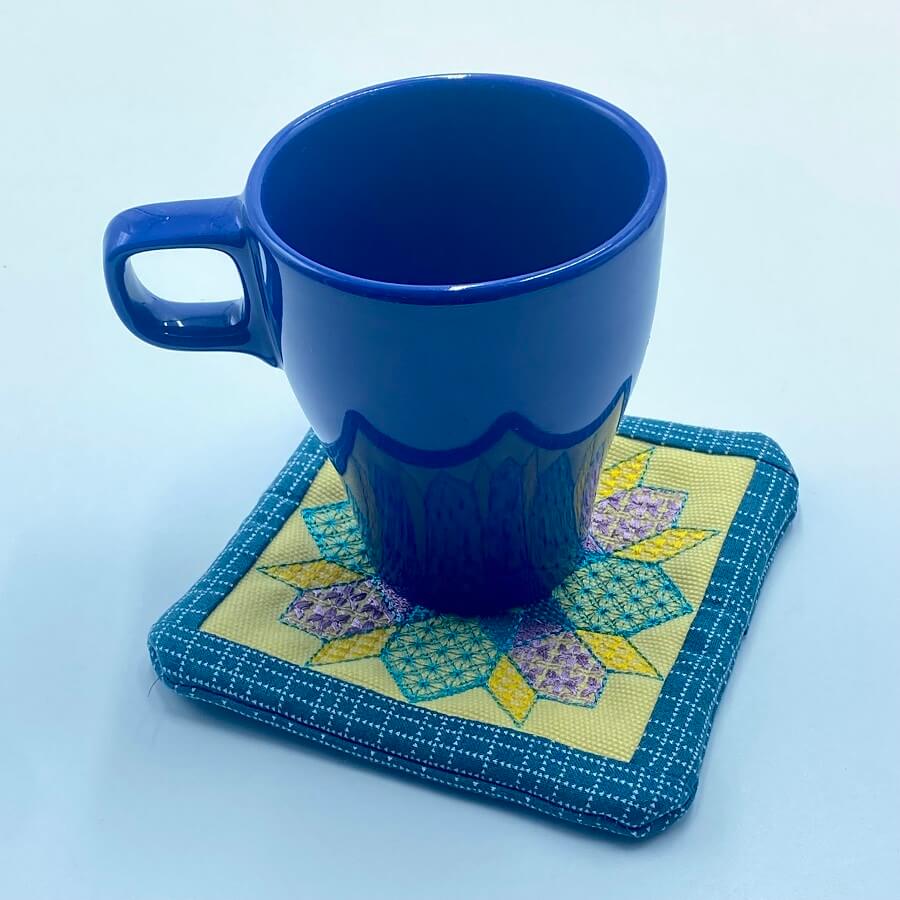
{"type": "Point", "coordinates": [637, 798]}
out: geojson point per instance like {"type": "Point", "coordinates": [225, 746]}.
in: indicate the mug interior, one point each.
{"type": "Point", "coordinates": [453, 181]}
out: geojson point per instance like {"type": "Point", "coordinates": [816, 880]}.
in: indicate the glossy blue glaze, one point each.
{"type": "Point", "coordinates": [458, 275]}
{"type": "Point", "coordinates": [240, 325]}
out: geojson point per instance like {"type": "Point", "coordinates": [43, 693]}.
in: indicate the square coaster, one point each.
{"type": "Point", "coordinates": [594, 706]}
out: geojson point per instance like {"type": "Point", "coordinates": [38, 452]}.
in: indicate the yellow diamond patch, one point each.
{"type": "Point", "coordinates": [315, 574]}
{"type": "Point", "coordinates": [357, 646]}
{"type": "Point", "coordinates": [511, 690]}
{"type": "Point", "coordinates": [627, 474]}
{"type": "Point", "coordinates": [617, 654]}
{"type": "Point", "coordinates": [666, 545]}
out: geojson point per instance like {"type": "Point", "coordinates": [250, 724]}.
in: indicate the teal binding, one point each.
{"type": "Point", "coordinates": [634, 799]}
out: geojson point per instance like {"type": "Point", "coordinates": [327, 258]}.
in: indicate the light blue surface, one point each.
{"type": "Point", "coordinates": [778, 121]}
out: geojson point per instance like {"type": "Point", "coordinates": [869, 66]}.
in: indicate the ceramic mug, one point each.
{"type": "Point", "coordinates": [458, 275]}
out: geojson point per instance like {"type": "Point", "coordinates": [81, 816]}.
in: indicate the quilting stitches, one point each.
{"type": "Point", "coordinates": [539, 620]}
{"type": "Point", "coordinates": [636, 798]}
{"type": "Point", "coordinates": [338, 610]}
{"type": "Point", "coordinates": [666, 545]}
{"type": "Point", "coordinates": [440, 656]}
{"type": "Point", "coordinates": [502, 629]}
{"type": "Point", "coordinates": [357, 646]}
{"type": "Point", "coordinates": [560, 667]}
{"type": "Point", "coordinates": [618, 654]}
{"type": "Point", "coordinates": [403, 610]}
{"type": "Point", "coordinates": [629, 516]}
{"type": "Point", "coordinates": [335, 531]}
{"type": "Point", "coordinates": [317, 573]}
{"type": "Point", "coordinates": [627, 474]}
{"type": "Point", "coordinates": [618, 590]}
{"type": "Point", "coordinates": [511, 690]}
{"type": "Point", "coordinates": [712, 441]}
{"type": "Point", "coordinates": [619, 596]}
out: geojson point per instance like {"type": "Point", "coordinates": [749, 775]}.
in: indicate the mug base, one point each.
{"type": "Point", "coordinates": [499, 595]}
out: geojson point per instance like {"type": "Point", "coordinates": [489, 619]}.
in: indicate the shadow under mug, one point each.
{"type": "Point", "coordinates": [458, 275]}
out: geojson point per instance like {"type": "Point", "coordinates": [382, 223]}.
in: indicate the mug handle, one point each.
{"type": "Point", "coordinates": [239, 325]}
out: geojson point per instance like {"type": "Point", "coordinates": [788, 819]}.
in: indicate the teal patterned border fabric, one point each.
{"type": "Point", "coordinates": [637, 799]}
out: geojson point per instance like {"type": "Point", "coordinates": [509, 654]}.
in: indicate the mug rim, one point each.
{"type": "Point", "coordinates": [475, 292]}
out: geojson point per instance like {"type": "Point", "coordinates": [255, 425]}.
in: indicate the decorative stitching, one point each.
{"type": "Point", "coordinates": [633, 515]}
{"type": "Point", "coordinates": [619, 596]}
{"type": "Point", "coordinates": [439, 657]}
{"type": "Point", "coordinates": [626, 474]}
{"type": "Point", "coordinates": [338, 610]}
{"type": "Point", "coordinates": [560, 667]}
{"type": "Point", "coordinates": [616, 596]}
{"type": "Point", "coordinates": [318, 573]}
{"type": "Point", "coordinates": [666, 545]}
{"type": "Point", "coordinates": [335, 531]}
{"type": "Point", "coordinates": [348, 649]}
{"type": "Point", "coordinates": [618, 654]}
{"type": "Point", "coordinates": [511, 690]}
{"type": "Point", "coordinates": [637, 798]}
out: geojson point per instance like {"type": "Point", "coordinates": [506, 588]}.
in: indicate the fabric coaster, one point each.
{"type": "Point", "coordinates": [594, 706]}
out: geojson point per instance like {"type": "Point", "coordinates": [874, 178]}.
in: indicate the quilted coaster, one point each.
{"type": "Point", "coordinates": [594, 706]}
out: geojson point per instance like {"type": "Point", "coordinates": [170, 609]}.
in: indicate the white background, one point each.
{"type": "Point", "coordinates": [126, 468]}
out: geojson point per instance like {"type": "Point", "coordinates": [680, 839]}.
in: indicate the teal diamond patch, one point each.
{"type": "Point", "coordinates": [337, 535]}
{"type": "Point", "coordinates": [439, 657]}
{"type": "Point", "coordinates": [618, 596]}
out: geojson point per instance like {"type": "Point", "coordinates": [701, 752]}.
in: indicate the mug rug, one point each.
{"type": "Point", "coordinates": [594, 705]}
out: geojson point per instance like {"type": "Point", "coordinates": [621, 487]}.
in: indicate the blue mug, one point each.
{"type": "Point", "coordinates": [458, 275]}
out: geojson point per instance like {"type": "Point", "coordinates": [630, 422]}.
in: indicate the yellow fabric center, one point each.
{"type": "Point", "coordinates": [588, 675]}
